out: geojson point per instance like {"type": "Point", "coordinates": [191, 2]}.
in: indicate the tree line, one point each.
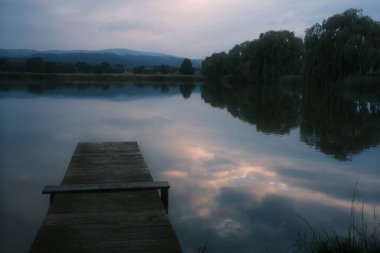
{"type": "Point", "coordinates": [36, 64]}
{"type": "Point", "coordinates": [186, 68]}
{"type": "Point", "coordinates": [343, 45]}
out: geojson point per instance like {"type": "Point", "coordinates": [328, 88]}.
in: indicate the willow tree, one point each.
{"type": "Point", "coordinates": [261, 61]}
{"type": "Point", "coordinates": [345, 44]}
{"type": "Point", "coordinates": [216, 66]}
{"type": "Point", "coordinates": [274, 54]}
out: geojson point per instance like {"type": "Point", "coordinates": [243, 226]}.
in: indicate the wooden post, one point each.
{"type": "Point", "coordinates": [52, 195]}
{"type": "Point", "coordinates": [165, 198]}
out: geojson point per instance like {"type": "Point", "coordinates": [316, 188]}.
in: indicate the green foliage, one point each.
{"type": "Point", "coordinates": [83, 67]}
{"type": "Point", "coordinates": [163, 69]}
{"type": "Point", "coordinates": [263, 60]}
{"type": "Point", "coordinates": [119, 68]}
{"type": "Point", "coordinates": [50, 67]}
{"type": "Point", "coordinates": [38, 65]}
{"type": "Point", "coordinates": [215, 66]}
{"type": "Point", "coordinates": [34, 64]}
{"type": "Point", "coordinates": [345, 44]}
{"type": "Point", "coordinates": [138, 69]}
{"type": "Point", "coordinates": [156, 69]}
{"type": "Point", "coordinates": [66, 68]}
{"type": "Point", "coordinates": [104, 67]}
{"type": "Point", "coordinates": [186, 67]}
{"type": "Point", "coordinates": [7, 65]}
{"type": "Point", "coordinates": [274, 54]}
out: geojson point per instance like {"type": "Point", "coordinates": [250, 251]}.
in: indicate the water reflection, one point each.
{"type": "Point", "coordinates": [186, 90]}
{"type": "Point", "coordinates": [249, 196]}
{"type": "Point", "coordinates": [272, 110]}
{"type": "Point", "coordinates": [339, 126]}
{"type": "Point", "coordinates": [232, 188]}
{"type": "Point", "coordinates": [334, 124]}
{"type": "Point", "coordinates": [89, 89]}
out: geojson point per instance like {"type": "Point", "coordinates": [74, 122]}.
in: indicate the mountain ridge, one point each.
{"type": "Point", "coordinates": [127, 57]}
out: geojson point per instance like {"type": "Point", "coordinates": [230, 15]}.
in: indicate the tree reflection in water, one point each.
{"type": "Point", "coordinates": [335, 125]}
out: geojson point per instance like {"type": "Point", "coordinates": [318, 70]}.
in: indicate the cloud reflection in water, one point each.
{"type": "Point", "coordinates": [232, 186]}
{"type": "Point", "coordinates": [234, 193]}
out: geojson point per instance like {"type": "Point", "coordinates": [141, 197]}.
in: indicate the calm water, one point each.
{"type": "Point", "coordinates": [246, 167]}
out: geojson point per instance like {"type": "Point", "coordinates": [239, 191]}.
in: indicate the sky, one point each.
{"type": "Point", "coordinates": [186, 28]}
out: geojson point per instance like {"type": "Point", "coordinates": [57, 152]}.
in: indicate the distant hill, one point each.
{"type": "Point", "coordinates": [129, 58]}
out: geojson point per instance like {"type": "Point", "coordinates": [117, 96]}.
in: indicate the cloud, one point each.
{"type": "Point", "coordinates": [193, 28]}
{"type": "Point", "coordinates": [125, 26]}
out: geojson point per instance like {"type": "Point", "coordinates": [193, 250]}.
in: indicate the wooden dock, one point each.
{"type": "Point", "coordinates": [107, 202]}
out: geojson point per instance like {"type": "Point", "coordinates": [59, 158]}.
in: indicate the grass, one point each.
{"type": "Point", "coordinates": [360, 237]}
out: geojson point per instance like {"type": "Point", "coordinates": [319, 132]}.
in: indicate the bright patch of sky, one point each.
{"type": "Point", "coordinates": [188, 28]}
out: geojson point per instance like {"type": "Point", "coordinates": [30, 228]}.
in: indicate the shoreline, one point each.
{"type": "Point", "coordinates": [156, 78]}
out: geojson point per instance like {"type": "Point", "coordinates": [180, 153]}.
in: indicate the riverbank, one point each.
{"type": "Point", "coordinates": [156, 78]}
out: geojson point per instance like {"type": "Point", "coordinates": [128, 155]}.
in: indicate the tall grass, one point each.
{"type": "Point", "coordinates": [360, 237]}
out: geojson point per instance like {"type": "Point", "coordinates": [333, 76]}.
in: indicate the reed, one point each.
{"type": "Point", "coordinates": [360, 238]}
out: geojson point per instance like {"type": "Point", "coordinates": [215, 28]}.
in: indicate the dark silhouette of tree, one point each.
{"type": "Point", "coordinates": [118, 68]}
{"type": "Point", "coordinates": [34, 64]}
{"type": "Point", "coordinates": [162, 69]}
{"type": "Point", "coordinates": [345, 44]}
{"type": "Point", "coordinates": [83, 67]}
{"type": "Point", "coordinates": [50, 67]}
{"type": "Point", "coordinates": [274, 54]}
{"type": "Point", "coordinates": [67, 68]}
{"type": "Point", "coordinates": [37, 64]}
{"type": "Point", "coordinates": [186, 67]}
{"type": "Point", "coordinates": [105, 67]}
{"type": "Point", "coordinates": [216, 66]}
{"type": "Point", "coordinates": [8, 65]}
{"type": "Point", "coordinates": [138, 69]}
{"type": "Point", "coordinates": [262, 61]}
{"type": "Point", "coordinates": [5, 64]}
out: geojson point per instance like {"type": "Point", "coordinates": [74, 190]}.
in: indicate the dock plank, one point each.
{"type": "Point", "coordinates": [110, 221]}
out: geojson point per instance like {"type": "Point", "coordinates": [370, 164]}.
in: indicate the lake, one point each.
{"type": "Point", "coordinates": [250, 168]}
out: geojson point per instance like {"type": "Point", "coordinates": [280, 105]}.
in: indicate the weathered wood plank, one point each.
{"type": "Point", "coordinates": [114, 217]}
{"type": "Point", "coordinates": [104, 215]}
{"type": "Point", "coordinates": [129, 186]}
{"type": "Point", "coordinates": [106, 187]}
{"type": "Point", "coordinates": [163, 245]}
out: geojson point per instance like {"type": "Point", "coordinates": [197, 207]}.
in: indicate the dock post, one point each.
{"type": "Point", "coordinates": [51, 198]}
{"type": "Point", "coordinates": [165, 198]}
